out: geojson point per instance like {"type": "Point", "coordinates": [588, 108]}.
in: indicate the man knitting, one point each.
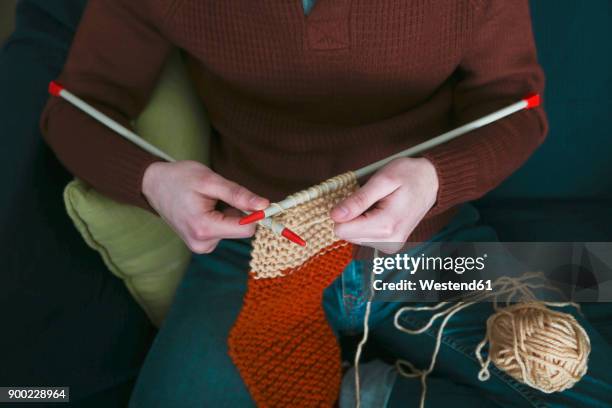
{"type": "Point", "coordinates": [291, 114]}
{"type": "Point", "coordinates": [296, 93]}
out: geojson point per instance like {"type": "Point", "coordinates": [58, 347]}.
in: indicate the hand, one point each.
{"type": "Point", "coordinates": [185, 194]}
{"type": "Point", "coordinates": [384, 211]}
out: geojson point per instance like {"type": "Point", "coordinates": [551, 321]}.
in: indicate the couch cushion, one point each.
{"type": "Point", "coordinates": [136, 245]}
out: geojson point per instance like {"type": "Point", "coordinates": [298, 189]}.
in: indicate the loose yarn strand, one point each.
{"type": "Point", "coordinates": [414, 372]}
{"type": "Point", "coordinates": [364, 339]}
{"type": "Point", "coordinates": [516, 290]}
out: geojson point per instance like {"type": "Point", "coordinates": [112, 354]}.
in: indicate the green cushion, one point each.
{"type": "Point", "coordinates": [136, 245]}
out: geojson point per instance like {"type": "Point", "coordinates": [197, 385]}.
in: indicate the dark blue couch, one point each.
{"type": "Point", "coordinates": [564, 191]}
{"type": "Point", "coordinates": [67, 321]}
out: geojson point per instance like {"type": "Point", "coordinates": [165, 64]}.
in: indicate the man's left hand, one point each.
{"type": "Point", "coordinates": [387, 208]}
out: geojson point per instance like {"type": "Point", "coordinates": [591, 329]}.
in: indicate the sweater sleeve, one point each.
{"type": "Point", "coordinates": [498, 68]}
{"type": "Point", "coordinates": [114, 63]}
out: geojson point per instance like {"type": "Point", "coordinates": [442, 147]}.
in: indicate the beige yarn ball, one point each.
{"type": "Point", "coordinates": [545, 349]}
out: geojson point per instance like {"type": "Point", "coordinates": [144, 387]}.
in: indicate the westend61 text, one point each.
{"type": "Point", "coordinates": [430, 284]}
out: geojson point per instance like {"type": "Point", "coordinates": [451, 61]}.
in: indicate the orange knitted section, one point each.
{"type": "Point", "coordinates": [282, 344]}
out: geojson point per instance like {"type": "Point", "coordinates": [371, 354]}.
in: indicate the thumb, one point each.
{"type": "Point", "coordinates": [234, 194]}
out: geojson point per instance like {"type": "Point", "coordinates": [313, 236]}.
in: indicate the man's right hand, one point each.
{"type": "Point", "coordinates": [185, 193]}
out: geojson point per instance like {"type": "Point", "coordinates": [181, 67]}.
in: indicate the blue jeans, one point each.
{"type": "Point", "coordinates": [454, 380]}
{"type": "Point", "coordinates": [188, 365]}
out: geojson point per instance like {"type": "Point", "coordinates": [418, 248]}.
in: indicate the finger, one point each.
{"type": "Point", "coordinates": [387, 248]}
{"type": "Point", "coordinates": [377, 188]}
{"type": "Point", "coordinates": [218, 187]}
{"type": "Point", "coordinates": [388, 221]}
{"type": "Point", "coordinates": [217, 225]}
{"type": "Point", "coordinates": [375, 225]}
{"type": "Point", "coordinates": [382, 246]}
{"type": "Point", "coordinates": [203, 247]}
{"type": "Point", "coordinates": [232, 212]}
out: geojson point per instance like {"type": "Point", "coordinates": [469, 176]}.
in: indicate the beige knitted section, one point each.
{"type": "Point", "coordinates": [272, 255]}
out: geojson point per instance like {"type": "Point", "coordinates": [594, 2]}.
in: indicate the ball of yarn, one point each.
{"type": "Point", "coordinates": [545, 349]}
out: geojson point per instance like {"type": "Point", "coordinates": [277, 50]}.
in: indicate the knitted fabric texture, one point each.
{"type": "Point", "coordinates": [281, 342]}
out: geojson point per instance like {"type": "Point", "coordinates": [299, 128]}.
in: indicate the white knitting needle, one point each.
{"type": "Point", "coordinates": [56, 89]}
{"type": "Point", "coordinates": [337, 182]}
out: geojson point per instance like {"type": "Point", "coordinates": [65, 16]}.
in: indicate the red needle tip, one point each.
{"type": "Point", "coordinates": [533, 100]}
{"type": "Point", "coordinates": [55, 88]}
{"type": "Point", "coordinates": [252, 217]}
{"type": "Point", "coordinates": [293, 237]}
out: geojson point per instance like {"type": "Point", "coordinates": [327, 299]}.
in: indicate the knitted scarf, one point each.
{"type": "Point", "coordinates": [281, 342]}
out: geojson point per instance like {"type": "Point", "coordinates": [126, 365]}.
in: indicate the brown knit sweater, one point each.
{"type": "Point", "coordinates": [296, 99]}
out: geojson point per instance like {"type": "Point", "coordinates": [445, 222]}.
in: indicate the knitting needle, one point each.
{"type": "Point", "coordinates": [56, 89]}
{"type": "Point", "coordinates": [529, 102]}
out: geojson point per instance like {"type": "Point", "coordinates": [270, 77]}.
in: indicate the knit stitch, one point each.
{"type": "Point", "coordinates": [281, 342]}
